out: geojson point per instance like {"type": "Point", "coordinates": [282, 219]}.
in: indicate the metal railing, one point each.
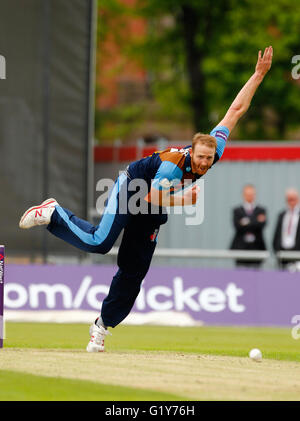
{"type": "Point", "coordinates": [253, 255]}
{"type": "Point", "coordinates": [288, 255]}
{"type": "Point", "coordinates": [206, 253]}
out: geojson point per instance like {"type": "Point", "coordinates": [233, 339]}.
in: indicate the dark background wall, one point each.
{"type": "Point", "coordinates": [44, 114]}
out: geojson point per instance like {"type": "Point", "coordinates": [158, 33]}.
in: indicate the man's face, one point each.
{"type": "Point", "coordinates": [292, 200]}
{"type": "Point", "coordinates": [202, 158]}
{"type": "Point", "coordinates": [249, 194]}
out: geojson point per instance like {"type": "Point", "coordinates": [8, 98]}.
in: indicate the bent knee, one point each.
{"type": "Point", "coordinates": [102, 248]}
{"type": "Point", "coordinates": [160, 219]}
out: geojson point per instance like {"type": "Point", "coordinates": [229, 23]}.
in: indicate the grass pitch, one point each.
{"type": "Point", "coordinates": [48, 362]}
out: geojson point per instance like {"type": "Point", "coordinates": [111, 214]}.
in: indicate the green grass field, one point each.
{"type": "Point", "coordinates": [49, 362]}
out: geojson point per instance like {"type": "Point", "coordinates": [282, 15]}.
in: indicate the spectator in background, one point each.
{"type": "Point", "coordinates": [287, 231]}
{"type": "Point", "coordinates": [249, 221]}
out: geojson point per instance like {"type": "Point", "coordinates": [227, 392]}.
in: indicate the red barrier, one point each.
{"type": "Point", "coordinates": [231, 153]}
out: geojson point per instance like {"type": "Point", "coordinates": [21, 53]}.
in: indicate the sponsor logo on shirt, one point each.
{"type": "Point", "coordinates": [184, 151]}
{"type": "Point", "coordinates": [154, 235]}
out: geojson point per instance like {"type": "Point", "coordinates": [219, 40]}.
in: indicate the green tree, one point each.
{"type": "Point", "coordinates": [199, 54]}
{"type": "Point", "coordinates": [181, 36]}
{"type": "Point", "coordinates": [254, 25]}
{"type": "Point", "coordinates": [207, 51]}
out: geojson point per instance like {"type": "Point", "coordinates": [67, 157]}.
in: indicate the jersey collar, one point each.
{"type": "Point", "coordinates": [188, 164]}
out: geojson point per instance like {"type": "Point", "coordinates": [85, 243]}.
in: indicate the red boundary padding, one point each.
{"type": "Point", "coordinates": [261, 153]}
{"type": "Point", "coordinates": [103, 153]}
{"type": "Point", "coordinates": [231, 153]}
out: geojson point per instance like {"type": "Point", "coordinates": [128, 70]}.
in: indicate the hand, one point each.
{"type": "Point", "coordinates": [261, 217]}
{"type": "Point", "coordinates": [190, 196]}
{"type": "Point", "coordinates": [244, 221]}
{"type": "Point", "coordinates": [264, 62]}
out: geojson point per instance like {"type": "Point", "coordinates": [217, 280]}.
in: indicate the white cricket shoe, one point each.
{"type": "Point", "coordinates": [97, 334]}
{"type": "Point", "coordinates": [38, 215]}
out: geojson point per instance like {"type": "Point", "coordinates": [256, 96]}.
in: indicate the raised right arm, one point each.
{"type": "Point", "coordinates": [242, 101]}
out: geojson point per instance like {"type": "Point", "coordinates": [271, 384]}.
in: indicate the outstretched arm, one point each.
{"type": "Point", "coordinates": [242, 101]}
{"type": "Point", "coordinates": [164, 198]}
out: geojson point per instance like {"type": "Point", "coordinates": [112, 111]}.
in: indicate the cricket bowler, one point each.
{"type": "Point", "coordinates": [163, 173]}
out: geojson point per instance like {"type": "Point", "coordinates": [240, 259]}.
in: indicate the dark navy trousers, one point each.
{"type": "Point", "coordinates": [135, 252]}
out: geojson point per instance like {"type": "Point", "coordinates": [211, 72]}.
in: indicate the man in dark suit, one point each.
{"type": "Point", "coordinates": [249, 221]}
{"type": "Point", "coordinates": [287, 231]}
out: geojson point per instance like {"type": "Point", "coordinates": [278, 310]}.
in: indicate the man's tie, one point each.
{"type": "Point", "coordinates": [290, 222]}
{"type": "Point", "coordinates": [250, 210]}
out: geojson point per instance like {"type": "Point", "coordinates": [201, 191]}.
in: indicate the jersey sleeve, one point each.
{"type": "Point", "coordinates": [167, 176]}
{"type": "Point", "coordinates": [221, 134]}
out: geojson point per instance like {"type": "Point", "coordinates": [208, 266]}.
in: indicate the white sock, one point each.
{"type": "Point", "coordinates": [99, 322]}
{"type": "Point", "coordinates": [51, 210]}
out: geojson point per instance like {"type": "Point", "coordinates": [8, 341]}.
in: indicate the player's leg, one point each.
{"type": "Point", "coordinates": [84, 235]}
{"type": "Point", "coordinates": [134, 258]}
{"type": "Point", "coordinates": [65, 225]}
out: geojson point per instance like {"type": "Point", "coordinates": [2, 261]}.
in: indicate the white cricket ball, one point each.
{"type": "Point", "coordinates": [255, 354]}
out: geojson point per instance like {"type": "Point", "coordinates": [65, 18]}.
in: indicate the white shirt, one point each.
{"type": "Point", "coordinates": [249, 207]}
{"type": "Point", "coordinates": [289, 228]}
{"type": "Point", "coordinates": [249, 237]}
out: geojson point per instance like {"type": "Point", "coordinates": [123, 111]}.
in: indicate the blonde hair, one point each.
{"type": "Point", "coordinates": [204, 139]}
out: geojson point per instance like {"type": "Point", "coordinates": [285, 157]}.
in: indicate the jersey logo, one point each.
{"type": "Point", "coordinates": [185, 152]}
{"type": "Point", "coordinates": [154, 235]}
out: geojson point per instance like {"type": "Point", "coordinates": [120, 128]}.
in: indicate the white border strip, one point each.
{"type": "Point", "coordinates": [163, 318]}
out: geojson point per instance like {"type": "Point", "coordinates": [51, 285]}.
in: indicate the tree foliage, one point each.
{"type": "Point", "coordinates": [199, 54]}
